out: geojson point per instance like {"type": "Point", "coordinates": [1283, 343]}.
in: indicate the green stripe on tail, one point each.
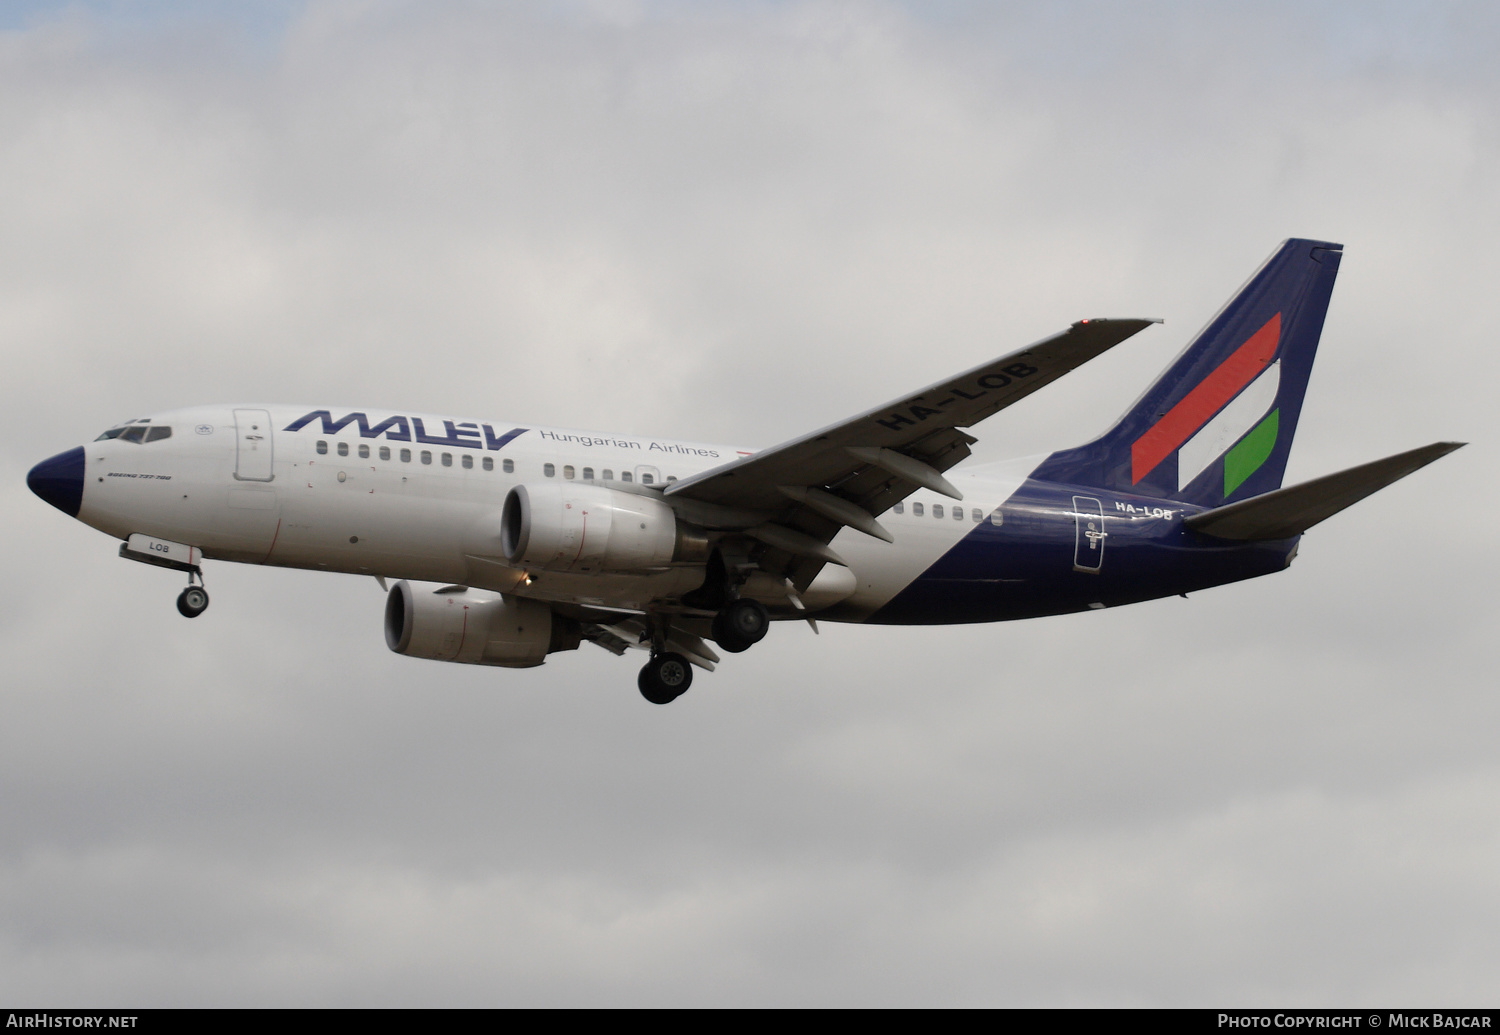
{"type": "Point", "coordinates": [1250, 452]}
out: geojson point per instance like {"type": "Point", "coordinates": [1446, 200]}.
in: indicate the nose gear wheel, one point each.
{"type": "Point", "coordinates": [192, 601]}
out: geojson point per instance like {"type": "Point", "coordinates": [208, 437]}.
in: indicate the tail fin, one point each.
{"type": "Point", "coordinates": [1217, 426]}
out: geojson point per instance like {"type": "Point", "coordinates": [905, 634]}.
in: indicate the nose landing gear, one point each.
{"type": "Point", "coordinates": [163, 553]}
{"type": "Point", "coordinates": [193, 601]}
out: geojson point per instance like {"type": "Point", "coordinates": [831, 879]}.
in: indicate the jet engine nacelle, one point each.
{"type": "Point", "coordinates": [473, 626]}
{"type": "Point", "coordinates": [589, 528]}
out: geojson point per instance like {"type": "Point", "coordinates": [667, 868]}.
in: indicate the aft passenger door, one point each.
{"type": "Point", "coordinates": [1088, 535]}
{"type": "Point", "coordinates": [252, 446]}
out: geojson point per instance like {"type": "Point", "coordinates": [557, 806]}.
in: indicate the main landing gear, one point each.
{"type": "Point", "coordinates": [737, 627]}
{"type": "Point", "coordinates": [741, 625]}
{"type": "Point", "coordinates": [193, 601]}
{"type": "Point", "coordinates": [665, 678]}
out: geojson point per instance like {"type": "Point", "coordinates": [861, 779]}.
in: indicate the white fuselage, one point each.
{"type": "Point", "coordinates": [421, 500]}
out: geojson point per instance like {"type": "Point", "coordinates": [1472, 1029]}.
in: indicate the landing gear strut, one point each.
{"type": "Point", "coordinates": [193, 601]}
{"type": "Point", "coordinates": [741, 625]}
{"type": "Point", "coordinates": [665, 678]}
{"type": "Point", "coordinates": [163, 553]}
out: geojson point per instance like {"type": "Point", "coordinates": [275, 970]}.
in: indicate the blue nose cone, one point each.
{"type": "Point", "coordinates": [59, 481]}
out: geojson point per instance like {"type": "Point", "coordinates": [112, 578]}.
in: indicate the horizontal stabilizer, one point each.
{"type": "Point", "coordinates": [1291, 511]}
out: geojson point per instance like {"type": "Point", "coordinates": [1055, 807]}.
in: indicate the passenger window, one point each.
{"type": "Point", "coordinates": [157, 434]}
{"type": "Point", "coordinates": [997, 519]}
{"type": "Point", "coordinates": [958, 513]}
{"type": "Point", "coordinates": [609, 475]}
{"type": "Point", "coordinates": [322, 447]}
{"type": "Point", "coordinates": [364, 451]}
{"type": "Point", "coordinates": [427, 456]}
{"type": "Point", "coordinates": [468, 462]}
{"type": "Point", "coordinates": [343, 449]}
{"type": "Point", "coordinates": [588, 474]}
{"type": "Point", "coordinates": [406, 456]}
{"type": "Point", "coordinates": [385, 452]}
{"type": "Point", "coordinates": [489, 463]}
{"type": "Point", "coordinates": [671, 478]}
{"type": "Point", "coordinates": [510, 466]}
{"type": "Point", "coordinates": [898, 508]}
{"type": "Point", "coordinates": [978, 515]}
{"type": "Point", "coordinates": [568, 471]}
{"type": "Point", "coordinates": [447, 459]}
{"type": "Point", "coordinates": [937, 510]}
{"type": "Point", "coordinates": [916, 509]}
{"type": "Point", "coordinates": [549, 470]}
{"type": "Point", "coordinates": [625, 476]}
{"type": "Point", "coordinates": [646, 479]}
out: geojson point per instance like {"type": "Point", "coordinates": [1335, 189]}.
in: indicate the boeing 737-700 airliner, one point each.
{"type": "Point", "coordinates": [507, 543]}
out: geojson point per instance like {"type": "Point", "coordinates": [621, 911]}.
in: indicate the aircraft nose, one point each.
{"type": "Point", "coordinates": [59, 481]}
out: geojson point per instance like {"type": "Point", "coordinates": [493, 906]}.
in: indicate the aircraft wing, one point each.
{"type": "Point", "coordinates": [847, 473]}
{"type": "Point", "coordinates": [922, 427]}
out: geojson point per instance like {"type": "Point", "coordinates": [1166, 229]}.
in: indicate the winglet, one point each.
{"type": "Point", "coordinates": [1291, 511]}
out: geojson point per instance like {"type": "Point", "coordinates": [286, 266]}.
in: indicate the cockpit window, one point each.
{"type": "Point", "coordinates": [136, 433]}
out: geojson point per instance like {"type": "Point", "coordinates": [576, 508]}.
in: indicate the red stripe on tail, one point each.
{"type": "Point", "coordinates": [1179, 423]}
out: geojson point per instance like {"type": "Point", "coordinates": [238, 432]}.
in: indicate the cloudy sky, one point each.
{"type": "Point", "coordinates": [736, 221]}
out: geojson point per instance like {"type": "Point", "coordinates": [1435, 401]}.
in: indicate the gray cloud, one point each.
{"type": "Point", "coordinates": [734, 223]}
